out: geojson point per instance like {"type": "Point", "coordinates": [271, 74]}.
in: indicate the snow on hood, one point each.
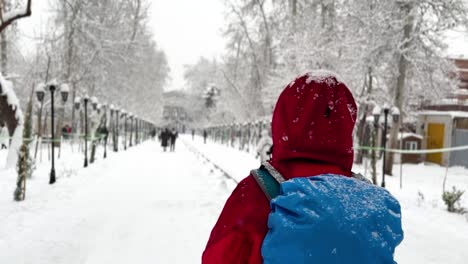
{"type": "Point", "coordinates": [314, 120]}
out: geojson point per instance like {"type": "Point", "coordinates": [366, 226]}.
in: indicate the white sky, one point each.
{"type": "Point", "coordinates": [186, 30]}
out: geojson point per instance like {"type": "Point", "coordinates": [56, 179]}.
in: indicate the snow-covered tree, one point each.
{"type": "Point", "coordinates": [25, 166]}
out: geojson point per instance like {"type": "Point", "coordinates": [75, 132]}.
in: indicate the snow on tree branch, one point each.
{"type": "Point", "coordinates": [10, 16]}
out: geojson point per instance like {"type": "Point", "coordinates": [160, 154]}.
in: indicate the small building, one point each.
{"type": "Point", "coordinates": [409, 141]}
{"type": "Point", "coordinates": [444, 129]}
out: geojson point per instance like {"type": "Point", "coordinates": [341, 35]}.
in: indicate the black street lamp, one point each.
{"type": "Point", "coordinates": [105, 130]}
{"type": "Point", "coordinates": [40, 93]}
{"type": "Point", "coordinates": [396, 116]}
{"type": "Point", "coordinates": [96, 107]}
{"type": "Point", "coordinates": [85, 101]}
{"type": "Point", "coordinates": [112, 123]}
{"type": "Point", "coordinates": [136, 132]}
{"type": "Point", "coordinates": [117, 116]}
{"type": "Point", "coordinates": [124, 116]}
{"type": "Point", "coordinates": [64, 93]}
{"type": "Point", "coordinates": [131, 130]}
{"type": "Point", "coordinates": [386, 110]}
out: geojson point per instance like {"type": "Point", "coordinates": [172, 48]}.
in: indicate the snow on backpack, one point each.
{"type": "Point", "coordinates": [328, 219]}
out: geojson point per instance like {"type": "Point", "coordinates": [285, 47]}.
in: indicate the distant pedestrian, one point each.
{"type": "Point", "coordinates": [66, 131]}
{"type": "Point", "coordinates": [205, 134]}
{"type": "Point", "coordinates": [164, 136]}
{"type": "Point", "coordinates": [264, 146]}
{"type": "Point", "coordinates": [173, 136]}
{"type": "Point", "coordinates": [193, 134]}
{"type": "Point", "coordinates": [4, 136]}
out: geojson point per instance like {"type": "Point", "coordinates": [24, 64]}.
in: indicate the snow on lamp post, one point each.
{"type": "Point", "coordinates": [77, 103]}
{"type": "Point", "coordinates": [64, 92]}
{"type": "Point", "coordinates": [94, 102]}
{"type": "Point", "coordinates": [40, 92]}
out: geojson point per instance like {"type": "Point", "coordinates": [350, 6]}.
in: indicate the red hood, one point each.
{"type": "Point", "coordinates": [312, 127]}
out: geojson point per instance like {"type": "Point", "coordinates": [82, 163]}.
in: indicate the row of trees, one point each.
{"type": "Point", "coordinates": [386, 51]}
{"type": "Point", "coordinates": [102, 48]}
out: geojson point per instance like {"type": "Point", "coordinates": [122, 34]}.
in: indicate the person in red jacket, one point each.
{"type": "Point", "coordinates": [312, 130]}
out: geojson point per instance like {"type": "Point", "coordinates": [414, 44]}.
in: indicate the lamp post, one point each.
{"type": "Point", "coordinates": [112, 124]}
{"type": "Point", "coordinates": [40, 93]}
{"type": "Point", "coordinates": [85, 102]}
{"type": "Point", "coordinates": [77, 104]}
{"type": "Point", "coordinates": [376, 113]}
{"type": "Point", "coordinates": [64, 93]}
{"type": "Point", "coordinates": [96, 106]}
{"type": "Point", "coordinates": [117, 116]}
{"type": "Point", "coordinates": [395, 112]}
{"type": "Point", "coordinates": [131, 130]}
{"type": "Point", "coordinates": [124, 115]}
{"type": "Point", "coordinates": [386, 110]}
{"type": "Point", "coordinates": [137, 137]}
{"type": "Point", "coordinates": [105, 130]}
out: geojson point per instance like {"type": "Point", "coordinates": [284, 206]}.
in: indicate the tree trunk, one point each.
{"type": "Point", "coordinates": [294, 7]}
{"type": "Point", "coordinates": [362, 123]}
{"type": "Point", "coordinates": [60, 114]}
{"type": "Point", "coordinates": [8, 115]}
{"type": "Point", "coordinates": [373, 155]}
{"type": "Point", "coordinates": [4, 56]}
{"type": "Point", "coordinates": [400, 88]}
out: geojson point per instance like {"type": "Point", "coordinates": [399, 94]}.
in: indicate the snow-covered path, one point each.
{"type": "Point", "coordinates": [141, 206]}
{"type": "Point", "coordinates": [146, 206]}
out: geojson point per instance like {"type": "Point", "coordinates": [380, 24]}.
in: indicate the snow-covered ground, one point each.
{"type": "Point", "coordinates": [139, 206]}
{"type": "Point", "coordinates": [147, 206]}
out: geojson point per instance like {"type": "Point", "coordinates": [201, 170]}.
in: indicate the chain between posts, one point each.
{"type": "Point", "coordinates": [45, 139]}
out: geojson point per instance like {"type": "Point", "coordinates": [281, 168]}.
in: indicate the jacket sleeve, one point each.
{"type": "Point", "coordinates": [239, 232]}
{"type": "Point", "coordinates": [234, 247]}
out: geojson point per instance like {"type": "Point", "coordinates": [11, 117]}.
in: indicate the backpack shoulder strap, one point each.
{"type": "Point", "coordinates": [269, 180]}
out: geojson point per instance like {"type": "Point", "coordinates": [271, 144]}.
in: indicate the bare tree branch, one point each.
{"type": "Point", "coordinates": [8, 18]}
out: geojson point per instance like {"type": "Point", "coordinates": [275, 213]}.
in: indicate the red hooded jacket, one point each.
{"type": "Point", "coordinates": [312, 130]}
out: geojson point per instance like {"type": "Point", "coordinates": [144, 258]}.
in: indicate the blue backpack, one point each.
{"type": "Point", "coordinates": [328, 219]}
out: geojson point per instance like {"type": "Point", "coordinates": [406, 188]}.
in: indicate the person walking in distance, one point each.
{"type": "Point", "coordinates": [4, 136]}
{"type": "Point", "coordinates": [173, 136]}
{"type": "Point", "coordinates": [165, 136]}
{"type": "Point", "coordinates": [264, 146]}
